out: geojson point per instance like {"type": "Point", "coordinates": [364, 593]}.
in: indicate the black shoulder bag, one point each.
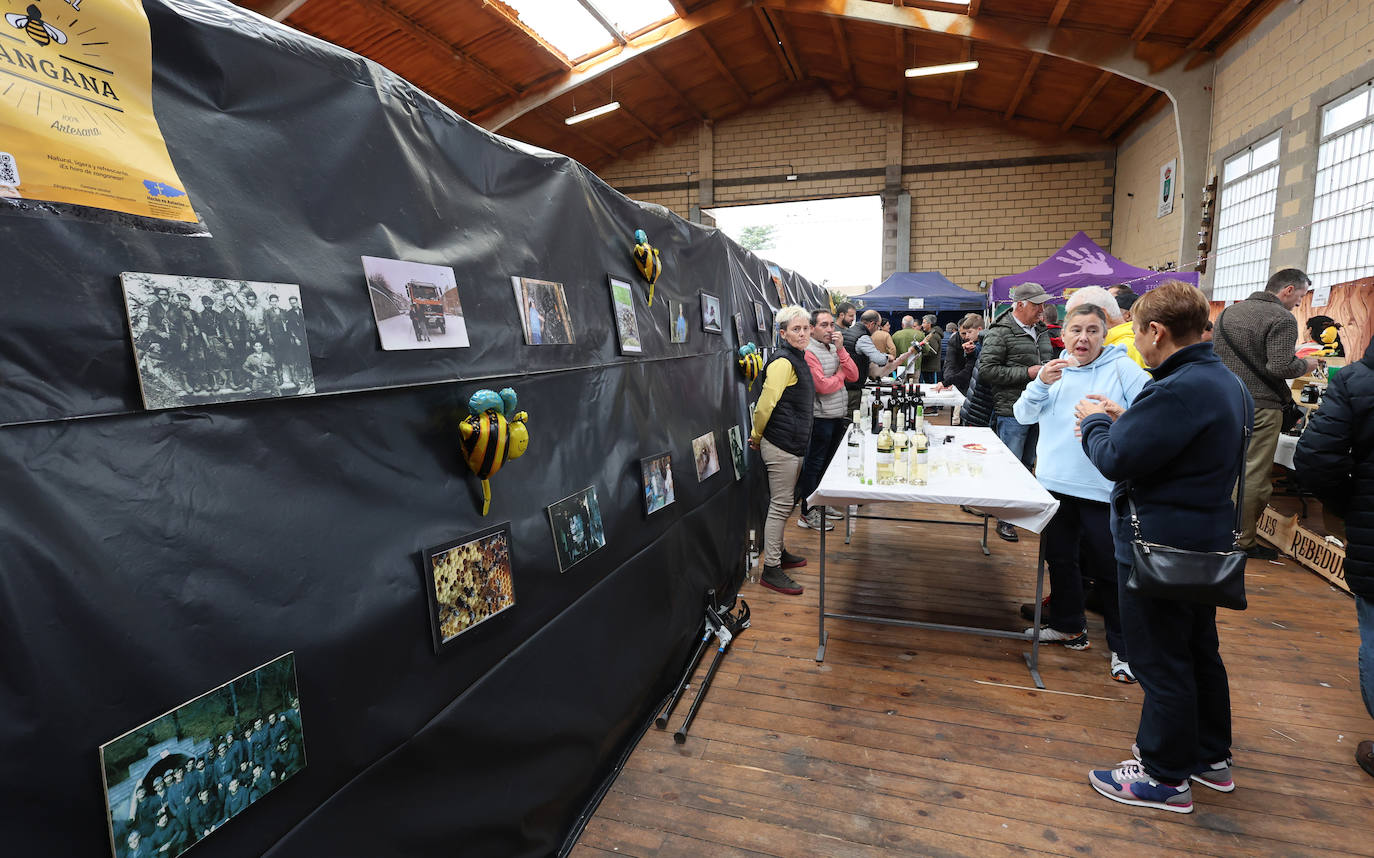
{"type": "Point", "coordinates": [1292, 413]}
{"type": "Point", "coordinates": [1202, 577]}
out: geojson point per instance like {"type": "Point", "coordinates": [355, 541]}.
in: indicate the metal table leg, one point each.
{"type": "Point", "coordinates": [1033, 657]}
{"type": "Point", "coordinates": [986, 552]}
{"type": "Point", "coordinates": [821, 636]}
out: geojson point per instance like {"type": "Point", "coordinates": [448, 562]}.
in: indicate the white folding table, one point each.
{"type": "Point", "coordinates": [1005, 489]}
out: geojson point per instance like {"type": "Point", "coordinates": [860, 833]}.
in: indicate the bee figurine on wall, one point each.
{"type": "Point", "coordinates": [41, 32]}
{"type": "Point", "coordinates": [750, 362]}
{"type": "Point", "coordinates": [493, 433]}
{"type": "Point", "coordinates": [647, 261]}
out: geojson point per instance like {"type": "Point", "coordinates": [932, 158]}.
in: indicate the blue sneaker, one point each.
{"type": "Point", "coordinates": [1129, 784]}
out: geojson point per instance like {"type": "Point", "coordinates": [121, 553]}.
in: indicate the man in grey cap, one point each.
{"type": "Point", "coordinates": [1014, 348]}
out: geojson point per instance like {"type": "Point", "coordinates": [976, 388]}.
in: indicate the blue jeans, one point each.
{"type": "Point", "coordinates": [1364, 610]}
{"type": "Point", "coordinates": [1019, 438]}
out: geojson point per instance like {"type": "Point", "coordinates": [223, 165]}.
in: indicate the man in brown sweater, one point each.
{"type": "Point", "coordinates": [1260, 332]}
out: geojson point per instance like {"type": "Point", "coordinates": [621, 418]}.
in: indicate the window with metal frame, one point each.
{"type": "Point", "coordinates": [1245, 220]}
{"type": "Point", "coordinates": [1342, 243]}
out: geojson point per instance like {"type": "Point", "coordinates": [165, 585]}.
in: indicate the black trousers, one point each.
{"type": "Point", "coordinates": [1185, 721]}
{"type": "Point", "coordinates": [1078, 545]}
{"type": "Point", "coordinates": [826, 435]}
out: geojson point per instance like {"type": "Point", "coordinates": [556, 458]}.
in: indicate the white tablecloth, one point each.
{"type": "Point", "coordinates": [1283, 453]}
{"type": "Point", "coordinates": [951, 397]}
{"type": "Point", "coordinates": [1005, 488]}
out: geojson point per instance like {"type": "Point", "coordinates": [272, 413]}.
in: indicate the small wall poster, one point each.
{"type": "Point", "coordinates": [1168, 188]}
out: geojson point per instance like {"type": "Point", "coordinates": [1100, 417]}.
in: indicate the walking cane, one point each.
{"type": "Point", "coordinates": [727, 627]}
{"type": "Point", "coordinates": [661, 722]}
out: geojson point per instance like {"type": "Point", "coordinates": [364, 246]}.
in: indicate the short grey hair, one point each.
{"type": "Point", "coordinates": [928, 319]}
{"type": "Point", "coordinates": [1098, 297]}
{"type": "Point", "coordinates": [908, 321]}
{"type": "Point", "coordinates": [790, 312]}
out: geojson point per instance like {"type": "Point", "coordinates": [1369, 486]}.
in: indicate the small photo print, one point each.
{"type": "Point", "coordinates": [201, 340]}
{"type": "Point", "coordinates": [704, 455]}
{"type": "Point", "coordinates": [657, 474]}
{"type": "Point", "coordinates": [775, 274]}
{"type": "Point", "coordinates": [416, 305]}
{"type": "Point", "coordinates": [738, 320]}
{"type": "Point", "coordinates": [710, 313]}
{"type": "Point", "coordinates": [469, 582]}
{"type": "Point", "coordinates": [737, 451]}
{"type": "Point", "coordinates": [677, 322]}
{"type": "Point", "coordinates": [179, 778]}
{"type": "Point", "coordinates": [543, 312]}
{"type": "Point", "coordinates": [626, 322]}
{"type": "Point", "coordinates": [761, 317]}
{"type": "Point", "coordinates": [577, 529]}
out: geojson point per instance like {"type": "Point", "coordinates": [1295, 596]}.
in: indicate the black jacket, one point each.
{"type": "Point", "coordinates": [852, 335]}
{"type": "Point", "coordinates": [1335, 462]}
{"type": "Point", "coordinates": [1006, 356]}
{"type": "Point", "coordinates": [959, 366]}
{"type": "Point", "coordinates": [1178, 447]}
{"type": "Point", "coordinates": [789, 426]}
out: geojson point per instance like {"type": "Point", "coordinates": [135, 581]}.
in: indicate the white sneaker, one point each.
{"type": "Point", "coordinates": [813, 520]}
{"type": "Point", "coordinates": [1068, 639]}
{"type": "Point", "coordinates": [1121, 671]}
{"type": "Point", "coordinates": [833, 514]}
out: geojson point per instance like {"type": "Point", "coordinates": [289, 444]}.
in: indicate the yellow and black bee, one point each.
{"type": "Point", "coordinates": [493, 433]}
{"type": "Point", "coordinates": [647, 261]}
{"type": "Point", "coordinates": [41, 32]}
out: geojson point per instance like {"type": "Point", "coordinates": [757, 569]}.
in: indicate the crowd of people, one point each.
{"type": "Point", "coordinates": [194, 797]}
{"type": "Point", "coordinates": [1142, 426]}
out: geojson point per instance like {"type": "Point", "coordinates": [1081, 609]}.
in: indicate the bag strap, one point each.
{"type": "Point", "coordinates": [1283, 393]}
{"type": "Point", "coordinates": [1236, 531]}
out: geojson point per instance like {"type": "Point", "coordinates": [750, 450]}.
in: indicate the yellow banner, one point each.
{"type": "Point", "coordinates": [76, 109]}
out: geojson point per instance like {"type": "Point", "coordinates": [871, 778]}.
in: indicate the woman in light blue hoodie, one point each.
{"type": "Point", "coordinates": [1080, 530]}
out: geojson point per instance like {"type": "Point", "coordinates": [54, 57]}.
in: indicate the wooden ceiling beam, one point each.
{"type": "Point", "coordinates": [280, 10]}
{"type": "Point", "coordinates": [665, 33]}
{"type": "Point", "coordinates": [1244, 27]}
{"type": "Point", "coordinates": [1151, 18]}
{"type": "Point", "coordinates": [558, 128]}
{"type": "Point", "coordinates": [668, 85]}
{"type": "Point", "coordinates": [1141, 99]}
{"type": "Point", "coordinates": [842, 47]}
{"type": "Point", "coordinates": [678, 8]}
{"type": "Point", "coordinates": [425, 37]}
{"type": "Point", "coordinates": [1217, 24]}
{"type": "Point", "coordinates": [1086, 100]}
{"type": "Point", "coordinates": [1057, 15]}
{"type": "Point", "coordinates": [965, 56]}
{"type": "Point", "coordinates": [1022, 86]}
{"type": "Point", "coordinates": [721, 67]}
{"type": "Point", "coordinates": [506, 14]}
{"type": "Point", "coordinates": [773, 38]}
{"type": "Point", "coordinates": [974, 7]}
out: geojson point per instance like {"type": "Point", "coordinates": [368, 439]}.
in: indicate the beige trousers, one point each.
{"type": "Point", "coordinates": [1259, 463]}
{"type": "Point", "coordinates": [783, 468]}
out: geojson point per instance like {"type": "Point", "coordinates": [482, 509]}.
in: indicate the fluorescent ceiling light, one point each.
{"type": "Point", "coordinates": [944, 69]}
{"type": "Point", "coordinates": [591, 114]}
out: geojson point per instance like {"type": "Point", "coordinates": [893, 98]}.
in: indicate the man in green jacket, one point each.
{"type": "Point", "coordinates": [930, 350]}
{"type": "Point", "coordinates": [902, 339]}
{"type": "Point", "coordinates": [1014, 348]}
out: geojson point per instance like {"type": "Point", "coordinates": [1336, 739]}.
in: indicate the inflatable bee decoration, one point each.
{"type": "Point", "coordinates": [750, 362]}
{"type": "Point", "coordinates": [493, 433]}
{"type": "Point", "coordinates": [647, 261]}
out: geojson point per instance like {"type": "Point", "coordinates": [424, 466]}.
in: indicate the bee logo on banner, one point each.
{"type": "Point", "coordinates": [77, 109]}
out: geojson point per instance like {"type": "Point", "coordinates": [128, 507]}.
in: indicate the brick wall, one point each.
{"type": "Point", "coordinates": [1139, 236]}
{"type": "Point", "coordinates": [1021, 196]}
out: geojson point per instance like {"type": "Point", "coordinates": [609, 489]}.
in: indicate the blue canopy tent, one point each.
{"type": "Point", "coordinates": [931, 291]}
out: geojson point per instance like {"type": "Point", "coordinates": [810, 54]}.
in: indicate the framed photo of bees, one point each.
{"type": "Point", "coordinates": [468, 581]}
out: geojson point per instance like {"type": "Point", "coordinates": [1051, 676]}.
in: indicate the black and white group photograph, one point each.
{"type": "Point", "coordinates": [199, 340]}
{"type": "Point", "coordinates": [176, 779]}
{"type": "Point", "coordinates": [577, 528]}
{"type": "Point", "coordinates": [416, 305]}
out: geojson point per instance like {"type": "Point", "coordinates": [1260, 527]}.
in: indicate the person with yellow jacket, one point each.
{"type": "Point", "coordinates": [783, 418]}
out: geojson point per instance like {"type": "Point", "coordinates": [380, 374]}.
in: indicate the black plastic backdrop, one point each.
{"type": "Point", "coordinates": [150, 556]}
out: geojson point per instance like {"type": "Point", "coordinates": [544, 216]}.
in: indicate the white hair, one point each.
{"type": "Point", "coordinates": [1098, 297]}
{"type": "Point", "coordinates": [788, 313]}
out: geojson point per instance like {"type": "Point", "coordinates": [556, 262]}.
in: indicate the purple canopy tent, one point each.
{"type": "Point", "coordinates": [1080, 262]}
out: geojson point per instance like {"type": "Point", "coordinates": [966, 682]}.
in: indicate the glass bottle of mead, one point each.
{"type": "Point", "coordinates": [920, 453]}
{"type": "Point", "coordinates": [901, 448]}
{"type": "Point", "coordinates": [856, 448]}
{"type": "Point", "coordinates": [885, 477]}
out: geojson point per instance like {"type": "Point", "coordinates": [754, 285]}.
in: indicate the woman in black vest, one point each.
{"type": "Point", "coordinates": [782, 431]}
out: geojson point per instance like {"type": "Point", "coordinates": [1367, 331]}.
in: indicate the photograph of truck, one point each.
{"type": "Point", "coordinates": [416, 305]}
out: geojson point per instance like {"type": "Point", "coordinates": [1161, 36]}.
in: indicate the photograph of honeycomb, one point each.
{"type": "Point", "coordinates": [469, 582]}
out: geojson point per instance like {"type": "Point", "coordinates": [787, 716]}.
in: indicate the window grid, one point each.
{"type": "Point", "coordinates": [1342, 244]}
{"type": "Point", "coordinates": [1245, 225]}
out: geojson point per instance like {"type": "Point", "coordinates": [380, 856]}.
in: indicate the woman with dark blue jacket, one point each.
{"type": "Point", "coordinates": [1178, 451]}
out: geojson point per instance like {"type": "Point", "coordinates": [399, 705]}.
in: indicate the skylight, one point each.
{"type": "Point", "coordinates": [575, 31]}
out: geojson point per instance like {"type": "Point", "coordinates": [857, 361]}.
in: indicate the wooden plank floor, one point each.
{"type": "Point", "coordinates": [912, 742]}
